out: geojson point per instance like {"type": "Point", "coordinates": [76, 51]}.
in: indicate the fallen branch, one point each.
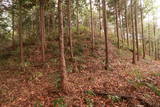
{"type": "Point", "coordinates": [124, 97]}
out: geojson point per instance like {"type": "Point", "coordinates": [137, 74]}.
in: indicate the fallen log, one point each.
{"type": "Point", "coordinates": [125, 97]}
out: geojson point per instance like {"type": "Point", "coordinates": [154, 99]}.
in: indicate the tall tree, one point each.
{"type": "Point", "coordinates": [99, 10]}
{"type": "Point", "coordinates": [117, 23]}
{"type": "Point", "coordinates": [69, 27]}
{"type": "Point", "coordinates": [20, 32]}
{"type": "Point", "coordinates": [143, 40]}
{"type": "Point", "coordinates": [126, 20]}
{"type": "Point", "coordinates": [136, 29]}
{"type": "Point", "coordinates": [61, 46]}
{"type": "Point", "coordinates": [149, 38]}
{"type": "Point", "coordinates": [77, 4]}
{"type": "Point", "coordinates": [105, 31]}
{"type": "Point", "coordinates": [92, 30]}
{"type": "Point", "coordinates": [42, 27]}
{"type": "Point", "coordinates": [133, 34]}
{"type": "Point", "coordinates": [13, 22]}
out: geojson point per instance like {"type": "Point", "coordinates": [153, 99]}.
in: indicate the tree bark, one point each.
{"type": "Point", "coordinates": [42, 28]}
{"type": "Point", "coordinates": [105, 31]}
{"type": "Point", "coordinates": [133, 34]}
{"type": "Point", "coordinates": [13, 27]}
{"type": "Point", "coordinates": [77, 3]}
{"type": "Point", "coordinates": [126, 20]}
{"type": "Point", "coordinates": [136, 29]}
{"type": "Point", "coordinates": [117, 25]}
{"type": "Point", "coordinates": [61, 46]}
{"type": "Point", "coordinates": [69, 27]}
{"type": "Point", "coordinates": [143, 39]}
{"type": "Point", "coordinates": [100, 27]}
{"type": "Point", "coordinates": [20, 33]}
{"type": "Point", "coordinates": [149, 39]}
{"type": "Point", "coordinates": [92, 32]}
{"type": "Point", "coordinates": [154, 32]}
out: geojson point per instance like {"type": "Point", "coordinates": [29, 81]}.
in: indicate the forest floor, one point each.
{"type": "Point", "coordinates": [122, 85]}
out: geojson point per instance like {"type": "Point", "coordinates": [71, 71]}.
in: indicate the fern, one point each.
{"type": "Point", "coordinates": [153, 88]}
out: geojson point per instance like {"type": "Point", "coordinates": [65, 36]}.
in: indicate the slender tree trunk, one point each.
{"type": "Point", "coordinates": [61, 45]}
{"type": "Point", "coordinates": [77, 3]}
{"type": "Point", "coordinates": [13, 27]}
{"type": "Point", "coordinates": [120, 22]}
{"type": "Point", "coordinates": [126, 20]}
{"type": "Point", "coordinates": [100, 27]}
{"type": "Point", "coordinates": [69, 27]}
{"type": "Point", "coordinates": [117, 25]}
{"type": "Point", "coordinates": [143, 39]}
{"type": "Point", "coordinates": [136, 30]}
{"type": "Point", "coordinates": [92, 32]}
{"type": "Point", "coordinates": [42, 28]}
{"type": "Point", "coordinates": [152, 48]}
{"type": "Point", "coordinates": [149, 39]}
{"type": "Point", "coordinates": [154, 31]}
{"type": "Point", "coordinates": [123, 29]}
{"type": "Point", "coordinates": [133, 34]}
{"type": "Point", "coordinates": [105, 31]}
{"type": "Point", "coordinates": [20, 33]}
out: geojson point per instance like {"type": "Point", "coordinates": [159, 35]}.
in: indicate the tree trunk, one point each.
{"type": "Point", "coordinates": [133, 35]}
{"type": "Point", "coordinates": [92, 32]}
{"type": "Point", "coordinates": [149, 39]}
{"type": "Point", "coordinates": [136, 29]}
{"type": "Point", "coordinates": [143, 39]}
{"type": "Point", "coordinates": [42, 28]}
{"type": "Point", "coordinates": [126, 20]}
{"type": "Point", "coordinates": [117, 25]}
{"type": "Point", "coordinates": [154, 32]}
{"type": "Point", "coordinates": [20, 33]}
{"type": "Point", "coordinates": [69, 27]}
{"type": "Point", "coordinates": [105, 31]}
{"type": "Point", "coordinates": [61, 45]}
{"type": "Point", "coordinates": [13, 27]}
{"type": "Point", "coordinates": [77, 3]}
{"type": "Point", "coordinates": [100, 27]}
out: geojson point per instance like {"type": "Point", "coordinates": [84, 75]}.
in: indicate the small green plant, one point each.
{"type": "Point", "coordinates": [114, 98]}
{"type": "Point", "coordinates": [90, 92]}
{"type": "Point", "coordinates": [38, 104]}
{"type": "Point", "coordinates": [79, 59]}
{"type": "Point", "coordinates": [156, 74]}
{"type": "Point", "coordinates": [136, 84]}
{"type": "Point", "coordinates": [153, 88]}
{"type": "Point", "coordinates": [57, 80]}
{"type": "Point", "coordinates": [59, 103]}
{"type": "Point", "coordinates": [78, 49]}
{"type": "Point", "coordinates": [89, 102]}
{"type": "Point", "coordinates": [69, 68]}
{"type": "Point", "coordinates": [137, 74]}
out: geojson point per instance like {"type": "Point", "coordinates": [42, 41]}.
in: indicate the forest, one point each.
{"type": "Point", "coordinates": [79, 53]}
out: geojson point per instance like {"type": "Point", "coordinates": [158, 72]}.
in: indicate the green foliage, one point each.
{"type": "Point", "coordinates": [90, 92]}
{"type": "Point", "coordinates": [57, 80]}
{"type": "Point", "coordinates": [153, 88]}
{"type": "Point", "coordinates": [156, 74]}
{"type": "Point", "coordinates": [136, 84]}
{"type": "Point", "coordinates": [70, 68]}
{"type": "Point", "coordinates": [114, 98]}
{"type": "Point", "coordinates": [38, 104]}
{"type": "Point", "coordinates": [53, 48]}
{"type": "Point", "coordinates": [78, 50]}
{"type": "Point", "coordinates": [59, 103]}
{"type": "Point", "coordinates": [79, 59]}
{"type": "Point", "coordinates": [89, 102]}
{"type": "Point", "coordinates": [137, 74]}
